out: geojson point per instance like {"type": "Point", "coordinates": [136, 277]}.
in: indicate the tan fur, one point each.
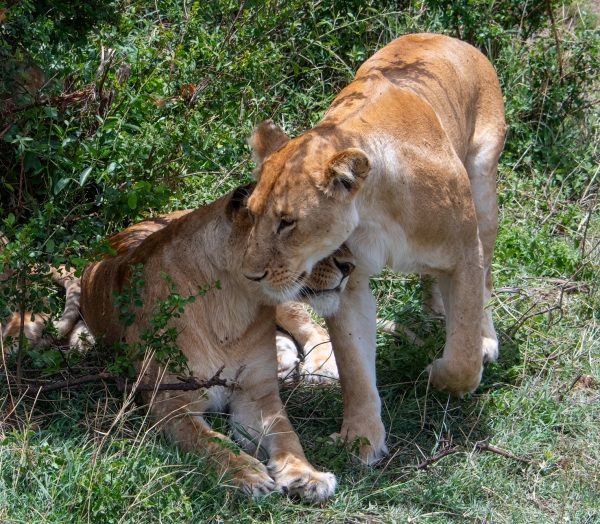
{"type": "Point", "coordinates": [234, 327]}
{"type": "Point", "coordinates": [402, 168]}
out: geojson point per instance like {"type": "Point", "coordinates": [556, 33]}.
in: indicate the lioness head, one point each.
{"type": "Point", "coordinates": [303, 206]}
{"type": "Point", "coordinates": [321, 286]}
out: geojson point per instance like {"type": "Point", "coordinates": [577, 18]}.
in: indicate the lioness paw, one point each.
{"type": "Point", "coordinates": [454, 378]}
{"type": "Point", "coordinates": [287, 356]}
{"type": "Point", "coordinates": [366, 441]}
{"type": "Point", "coordinates": [254, 480]}
{"type": "Point", "coordinates": [297, 478]}
{"type": "Point", "coordinates": [489, 348]}
{"type": "Point", "coordinates": [320, 367]}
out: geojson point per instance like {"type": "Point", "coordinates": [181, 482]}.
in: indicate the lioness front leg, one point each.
{"type": "Point", "coordinates": [194, 435]}
{"type": "Point", "coordinates": [319, 361]}
{"type": "Point", "coordinates": [260, 420]}
{"type": "Point", "coordinates": [460, 368]}
{"type": "Point", "coordinates": [353, 335]}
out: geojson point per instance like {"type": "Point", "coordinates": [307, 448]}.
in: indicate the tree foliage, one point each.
{"type": "Point", "coordinates": [146, 106]}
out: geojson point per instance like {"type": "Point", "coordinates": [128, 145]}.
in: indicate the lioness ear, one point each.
{"type": "Point", "coordinates": [237, 205]}
{"type": "Point", "coordinates": [345, 173]}
{"type": "Point", "coordinates": [267, 139]}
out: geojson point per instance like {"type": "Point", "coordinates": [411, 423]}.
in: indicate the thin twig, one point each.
{"type": "Point", "coordinates": [431, 460]}
{"type": "Point", "coordinates": [482, 446]}
{"type": "Point", "coordinates": [571, 386]}
{"type": "Point", "coordinates": [555, 33]}
{"type": "Point", "coordinates": [186, 384]}
{"type": "Point", "coordinates": [21, 332]}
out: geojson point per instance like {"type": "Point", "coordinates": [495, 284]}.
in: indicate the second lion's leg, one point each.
{"type": "Point", "coordinates": [184, 426]}
{"type": "Point", "coordinates": [482, 165]}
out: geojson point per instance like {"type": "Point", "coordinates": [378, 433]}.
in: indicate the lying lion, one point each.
{"type": "Point", "coordinates": [403, 169]}
{"type": "Point", "coordinates": [234, 326]}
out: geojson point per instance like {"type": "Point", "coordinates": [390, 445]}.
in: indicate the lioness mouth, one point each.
{"type": "Point", "coordinates": [310, 292]}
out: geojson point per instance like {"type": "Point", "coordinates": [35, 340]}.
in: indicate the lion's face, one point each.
{"type": "Point", "coordinates": [328, 278]}
{"type": "Point", "coordinates": [302, 208]}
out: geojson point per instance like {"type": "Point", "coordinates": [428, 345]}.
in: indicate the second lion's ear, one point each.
{"type": "Point", "coordinates": [267, 139]}
{"type": "Point", "coordinates": [345, 173]}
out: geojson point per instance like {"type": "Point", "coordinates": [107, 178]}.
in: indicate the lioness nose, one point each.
{"type": "Point", "coordinates": [345, 267]}
{"type": "Point", "coordinates": [256, 278]}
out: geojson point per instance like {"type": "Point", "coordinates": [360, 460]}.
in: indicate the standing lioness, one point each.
{"type": "Point", "coordinates": [401, 168]}
{"type": "Point", "coordinates": [233, 327]}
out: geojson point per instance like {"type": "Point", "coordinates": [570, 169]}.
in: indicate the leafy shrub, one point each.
{"type": "Point", "coordinates": [150, 103]}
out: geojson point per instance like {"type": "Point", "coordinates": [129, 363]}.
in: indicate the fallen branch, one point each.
{"type": "Point", "coordinates": [68, 383]}
{"type": "Point", "coordinates": [185, 384]}
{"type": "Point", "coordinates": [431, 460]}
{"type": "Point", "coordinates": [482, 446]}
{"type": "Point", "coordinates": [575, 380]}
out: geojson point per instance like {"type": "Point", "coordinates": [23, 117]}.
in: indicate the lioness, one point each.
{"type": "Point", "coordinates": [401, 168]}
{"type": "Point", "coordinates": [234, 326]}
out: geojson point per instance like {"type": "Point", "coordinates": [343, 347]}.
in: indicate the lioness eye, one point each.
{"type": "Point", "coordinates": [284, 224]}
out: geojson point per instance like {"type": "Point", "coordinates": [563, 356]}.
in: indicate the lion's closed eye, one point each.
{"type": "Point", "coordinates": [285, 225]}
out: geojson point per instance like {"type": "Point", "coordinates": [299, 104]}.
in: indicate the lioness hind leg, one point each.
{"type": "Point", "coordinates": [260, 421]}
{"type": "Point", "coordinates": [194, 435]}
{"type": "Point", "coordinates": [482, 165]}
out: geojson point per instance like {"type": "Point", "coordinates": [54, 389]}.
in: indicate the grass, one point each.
{"type": "Point", "coordinates": [91, 455]}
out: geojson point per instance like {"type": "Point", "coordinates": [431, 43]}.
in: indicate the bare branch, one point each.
{"type": "Point", "coordinates": [431, 460]}
{"type": "Point", "coordinates": [482, 446]}
{"type": "Point", "coordinates": [185, 384]}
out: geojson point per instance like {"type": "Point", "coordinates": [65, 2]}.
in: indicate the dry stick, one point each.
{"type": "Point", "coordinates": [555, 33]}
{"type": "Point", "coordinates": [488, 447]}
{"type": "Point", "coordinates": [186, 384]}
{"type": "Point", "coordinates": [428, 462]}
{"type": "Point", "coordinates": [482, 446]}
{"type": "Point", "coordinates": [572, 385]}
{"type": "Point", "coordinates": [22, 173]}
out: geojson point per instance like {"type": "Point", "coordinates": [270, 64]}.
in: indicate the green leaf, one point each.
{"type": "Point", "coordinates": [60, 185]}
{"type": "Point", "coordinates": [51, 112]}
{"type": "Point", "coordinates": [50, 245]}
{"type": "Point", "coordinates": [10, 219]}
{"type": "Point", "coordinates": [132, 200]}
{"type": "Point", "coordinates": [9, 187]}
{"type": "Point", "coordinates": [84, 175]}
